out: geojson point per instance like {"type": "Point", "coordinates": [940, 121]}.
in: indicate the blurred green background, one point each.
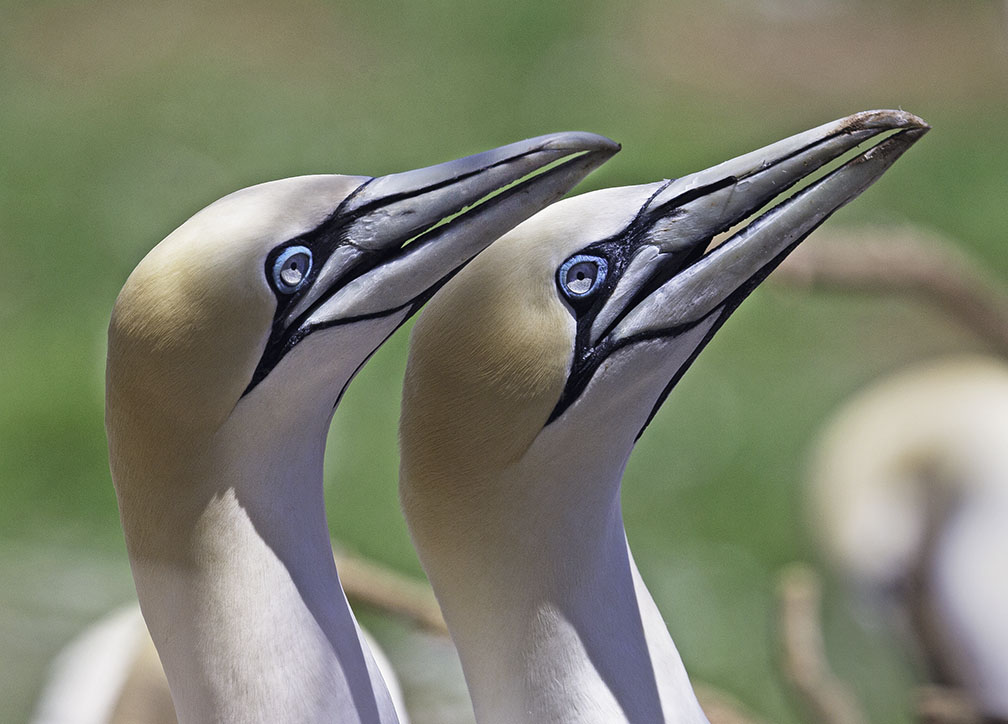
{"type": "Point", "coordinates": [118, 120]}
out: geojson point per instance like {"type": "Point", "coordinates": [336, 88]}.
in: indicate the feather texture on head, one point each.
{"type": "Point", "coordinates": [480, 385]}
{"type": "Point", "coordinates": [190, 323]}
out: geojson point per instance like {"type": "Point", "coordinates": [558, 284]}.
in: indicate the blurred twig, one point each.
{"type": "Point", "coordinates": [904, 260]}
{"type": "Point", "coordinates": [945, 705]}
{"type": "Point", "coordinates": [721, 708]}
{"type": "Point", "coordinates": [825, 697]}
{"type": "Point", "coordinates": [374, 584]}
{"type": "Point", "coordinates": [892, 260]}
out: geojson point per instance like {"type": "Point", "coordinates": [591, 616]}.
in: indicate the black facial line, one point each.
{"type": "Point", "coordinates": [360, 367]}
{"type": "Point", "coordinates": [668, 208]}
{"type": "Point", "coordinates": [581, 375]}
{"type": "Point", "coordinates": [428, 237]}
{"type": "Point", "coordinates": [618, 250]}
{"type": "Point", "coordinates": [371, 259]}
{"type": "Point", "coordinates": [644, 209]}
{"type": "Point", "coordinates": [587, 359]}
{"type": "Point", "coordinates": [370, 206]}
{"type": "Point", "coordinates": [692, 194]}
{"type": "Point", "coordinates": [323, 241]}
{"type": "Point", "coordinates": [414, 304]}
{"type": "Point", "coordinates": [412, 307]}
{"type": "Point", "coordinates": [335, 226]}
{"type": "Point", "coordinates": [329, 236]}
{"type": "Point", "coordinates": [669, 265]}
{"type": "Point", "coordinates": [724, 311]}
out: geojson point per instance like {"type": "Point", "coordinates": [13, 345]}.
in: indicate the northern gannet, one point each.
{"type": "Point", "coordinates": [229, 347]}
{"type": "Point", "coordinates": [909, 497]}
{"type": "Point", "coordinates": [531, 375]}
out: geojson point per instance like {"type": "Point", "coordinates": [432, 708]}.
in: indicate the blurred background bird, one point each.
{"type": "Point", "coordinates": [122, 119]}
{"type": "Point", "coordinates": [909, 498]}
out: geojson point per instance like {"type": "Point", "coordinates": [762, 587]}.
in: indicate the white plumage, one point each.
{"type": "Point", "coordinates": [229, 347]}
{"type": "Point", "coordinates": [530, 376]}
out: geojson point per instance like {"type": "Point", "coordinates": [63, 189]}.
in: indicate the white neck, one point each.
{"type": "Point", "coordinates": [550, 616]}
{"type": "Point", "coordinates": [237, 582]}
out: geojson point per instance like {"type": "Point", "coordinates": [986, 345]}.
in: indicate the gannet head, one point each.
{"type": "Point", "coordinates": [550, 353]}
{"type": "Point", "coordinates": [262, 306]}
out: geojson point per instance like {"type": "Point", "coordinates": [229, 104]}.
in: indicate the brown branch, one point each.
{"type": "Point", "coordinates": [908, 261]}
{"type": "Point", "coordinates": [374, 584]}
{"type": "Point", "coordinates": [912, 262]}
{"type": "Point", "coordinates": [945, 705]}
{"type": "Point", "coordinates": [722, 708]}
{"type": "Point", "coordinates": [824, 696]}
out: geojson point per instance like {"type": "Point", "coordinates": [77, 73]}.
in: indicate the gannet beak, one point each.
{"type": "Point", "coordinates": [664, 280]}
{"type": "Point", "coordinates": [684, 286]}
{"type": "Point", "coordinates": [419, 227]}
{"type": "Point", "coordinates": [397, 239]}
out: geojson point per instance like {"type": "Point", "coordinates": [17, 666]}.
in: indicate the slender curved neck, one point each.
{"type": "Point", "coordinates": [550, 616]}
{"type": "Point", "coordinates": [233, 566]}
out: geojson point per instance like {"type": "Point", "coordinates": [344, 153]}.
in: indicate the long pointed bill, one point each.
{"type": "Point", "coordinates": [693, 210]}
{"type": "Point", "coordinates": [424, 225]}
{"type": "Point", "coordinates": [396, 239]}
{"type": "Point", "coordinates": [667, 283]}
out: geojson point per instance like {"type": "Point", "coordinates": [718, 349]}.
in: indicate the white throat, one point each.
{"type": "Point", "coordinates": [526, 549]}
{"type": "Point", "coordinates": [552, 620]}
{"type": "Point", "coordinates": [233, 565]}
{"type": "Point", "coordinates": [531, 567]}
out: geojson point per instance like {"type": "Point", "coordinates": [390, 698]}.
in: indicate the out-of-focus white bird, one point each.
{"type": "Point", "coordinates": [230, 346]}
{"type": "Point", "coordinates": [531, 375]}
{"type": "Point", "coordinates": [909, 496]}
{"type": "Point", "coordinates": [111, 674]}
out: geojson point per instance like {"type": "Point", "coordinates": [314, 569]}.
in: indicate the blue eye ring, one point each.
{"type": "Point", "coordinates": [291, 268]}
{"type": "Point", "coordinates": [581, 275]}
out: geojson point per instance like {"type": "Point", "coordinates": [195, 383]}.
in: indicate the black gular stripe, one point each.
{"type": "Point", "coordinates": [324, 240]}
{"type": "Point", "coordinates": [333, 234]}
{"type": "Point", "coordinates": [618, 251]}
{"type": "Point", "coordinates": [724, 311]}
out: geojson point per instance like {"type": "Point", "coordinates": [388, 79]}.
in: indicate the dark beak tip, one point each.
{"type": "Point", "coordinates": [576, 141]}
{"type": "Point", "coordinates": [914, 133]}
{"type": "Point", "coordinates": [883, 120]}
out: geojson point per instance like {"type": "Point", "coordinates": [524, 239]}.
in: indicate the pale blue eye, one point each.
{"type": "Point", "coordinates": [581, 275]}
{"type": "Point", "coordinates": [291, 268]}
